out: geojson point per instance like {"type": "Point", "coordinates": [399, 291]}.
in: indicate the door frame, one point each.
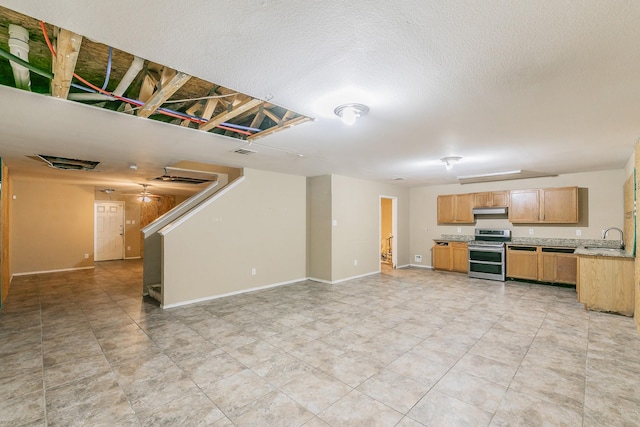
{"type": "Point", "coordinates": [95, 235]}
{"type": "Point", "coordinates": [394, 228]}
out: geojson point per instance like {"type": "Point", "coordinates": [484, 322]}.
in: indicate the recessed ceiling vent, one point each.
{"type": "Point", "coordinates": [68, 164]}
{"type": "Point", "coordinates": [244, 151]}
{"type": "Point", "coordinates": [186, 176]}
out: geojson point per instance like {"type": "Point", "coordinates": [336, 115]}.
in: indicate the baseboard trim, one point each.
{"type": "Point", "coordinates": [228, 294]}
{"type": "Point", "coordinates": [133, 257]}
{"type": "Point", "coordinates": [334, 282]}
{"type": "Point", "coordinates": [29, 273]}
{"type": "Point", "coordinates": [428, 267]}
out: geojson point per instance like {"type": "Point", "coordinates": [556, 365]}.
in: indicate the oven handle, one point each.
{"type": "Point", "coordinates": [486, 249]}
{"type": "Point", "coordinates": [473, 261]}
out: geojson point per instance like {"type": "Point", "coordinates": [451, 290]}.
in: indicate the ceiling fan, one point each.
{"type": "Point", "coordinates": [144, 196]}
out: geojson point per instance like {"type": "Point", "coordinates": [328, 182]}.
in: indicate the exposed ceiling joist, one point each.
{"type": "Point", "coordinates": [165, 92]}
{"type": "Point", "coordinates": [64, 63]}
{"type": "Point", "coordinates": [293, 122]}
{"type": "Point", "coordinates": [236, 111]}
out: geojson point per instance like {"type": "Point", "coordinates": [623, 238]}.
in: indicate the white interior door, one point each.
{"type": "Point", "coordinates": [109, 230]}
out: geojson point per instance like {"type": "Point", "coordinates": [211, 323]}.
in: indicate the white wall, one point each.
{"type": "Point", "coordinates": [259, 224]}
{"type": "Point", "coordinates": [356, 235]}
{"type": "Point", "coordinates": [601, 207]}
{"type": "Point", "coordinates": [51, 226]}
{"type": "Point", "coordinates": [319, 228]}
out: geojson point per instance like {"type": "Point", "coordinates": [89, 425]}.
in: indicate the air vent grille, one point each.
{"type": "Point", "coordinates": [244, 151]}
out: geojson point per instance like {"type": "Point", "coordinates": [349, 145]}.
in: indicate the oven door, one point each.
{"type": "Point", "coordinates": [487, 262]}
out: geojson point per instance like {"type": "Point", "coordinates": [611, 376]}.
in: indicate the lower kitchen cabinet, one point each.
{"type": "Point", "coordinates": [558, 265]}
{"type": "Point", "coordinates": [606, 284]}
{"type": "Point", "coordinates": [540, 263]}
{"type": "Point", "coordinates": [522, 262]}
{"type": "Point", "coordinates": [450, 256]}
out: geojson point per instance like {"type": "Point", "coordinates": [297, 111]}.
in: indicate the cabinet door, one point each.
{"type": "Point", "coordinates": [500, 199]}
{"type": "Point", "coordinates": [559, 205]}
{"type": "Point", "coordinates": [446, 209]}
{"type": "Point", "coordinates": [481, 200]}
{"type": "Point", "coordinates": [459, 257]}
{"type": "Point", "coordinates": [491, 199]}
{"type": "Point", "coordinates": [464, 208]}
{"type": "Point", "coordinates": [522, 262]}
{"type": "Point", "coordinates": [455, 208]}
{"type": "Point", "coordinates": [566, 268]}
{"type": "Point", "coordinates": [548, 267]}
{"type": "Point", "coordinates": [524, 206]}
{"type": "Point", "coordinates": [442, 257]}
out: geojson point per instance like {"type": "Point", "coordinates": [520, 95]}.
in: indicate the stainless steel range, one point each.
{"type": "Point", "coordinates": [487, 253]}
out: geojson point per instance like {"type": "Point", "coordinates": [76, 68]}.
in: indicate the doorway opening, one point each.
{"type": "Point", "coordinates": [388, 231]}
{"type": "Point", "coordinates": [108, 230]}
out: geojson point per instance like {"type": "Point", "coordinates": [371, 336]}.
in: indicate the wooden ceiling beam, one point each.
{"type": "Point", "coordinates": [64, 65]}
{"type": "Point", "coordinates": [258, 119]}
{"type": "Point", "coordinates": [165, 92]}
{"type": "Point", "coordinates": [228, 115]}
{"type": "Point", "coordinates": [272, 116]}
{"type": "Point", "coordinates": [293, 122]}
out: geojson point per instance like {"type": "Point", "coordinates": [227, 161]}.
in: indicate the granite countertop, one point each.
{"type": "Point", "coordinates": [455, 238]}
{"type": "Point", "coordinates": [602, 251]}
{"type": "Point", "coordinates": [589, 247]}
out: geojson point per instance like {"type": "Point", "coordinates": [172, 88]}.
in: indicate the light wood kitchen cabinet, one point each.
{"type": "Point", "coordinates": [558, 265]}
{"type": "Point", "coordinates": [524, 206]}
{"type": "Point", "coordinates": [450, 256]}
{"type": "Point", "coordinates": [455, 209]}
{"type": "Point", "coordinates": [491, 199]}
{"type": "Point", "coordinates": [606, 284]}
{"type": "Point", "coordinates": [441, 257]}
{"type": "Point", "coordinates": [559, 205]}
{"type": "Point", "coordinates": [459, 257]}
{"type": "Point", "coordinates": [522, 262]}
{"type": "Point", "coordinates": [544, 205]}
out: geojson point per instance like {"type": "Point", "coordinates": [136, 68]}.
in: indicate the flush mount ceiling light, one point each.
{"type": "Point", "coordinates": [350, 112]}
{"type": "Point", "coordinates": [449, 161]}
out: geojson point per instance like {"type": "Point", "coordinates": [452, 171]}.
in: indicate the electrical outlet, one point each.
{"type": "Point", "coordinates": [459, 229]}
{"type": "Point", "coordinates": [578, 232]}
{"type": "Point", "coordinates": [531, 231]}
{"type": "Point", "coordinates": [355, 262]}
{"type": "Point", "coordinates": [254, 272]}
{"type": "Point", "coordinates": [418, 258]}
{"type": "Point", "coordinates": [86, 256]}
{"type": "Point", "coordinates": [128, 248]}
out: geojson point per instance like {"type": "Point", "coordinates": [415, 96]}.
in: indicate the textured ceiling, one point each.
{"type": "Point", "coordinates": [538, 85]}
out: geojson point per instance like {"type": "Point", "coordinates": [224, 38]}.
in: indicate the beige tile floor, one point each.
{"type": "Point", "coordinates": [408, 347]}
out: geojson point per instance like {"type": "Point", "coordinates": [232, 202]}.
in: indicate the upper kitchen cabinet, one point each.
{"type": "Point", "coordinates": [545, 205]}
{"type": "Point", "coordinates": [455, 209]}
{"type": "Point", "coordinates": [492, 199]}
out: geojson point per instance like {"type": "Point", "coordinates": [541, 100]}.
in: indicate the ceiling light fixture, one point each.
{"type": "Point", "coordinates": [144, 197]}
{"type": "Point", "coordinates": [349, 113]}
{"type": "Point", "coordinates": [449, 161]}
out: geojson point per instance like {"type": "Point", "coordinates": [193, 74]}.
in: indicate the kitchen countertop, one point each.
{"type": "Point", "coordinates": [599, 251]}
{"type": "Point", "coordinates": [597, 247]}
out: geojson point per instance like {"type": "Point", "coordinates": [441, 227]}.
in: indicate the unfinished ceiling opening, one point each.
{"type": "Point", "coordinates": [67, 164]}
{"type": "Point", "coordinates": [59, 63]}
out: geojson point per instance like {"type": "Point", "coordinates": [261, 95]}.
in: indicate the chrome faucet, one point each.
{"type": "Point", "coordinates": [604, 235]}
